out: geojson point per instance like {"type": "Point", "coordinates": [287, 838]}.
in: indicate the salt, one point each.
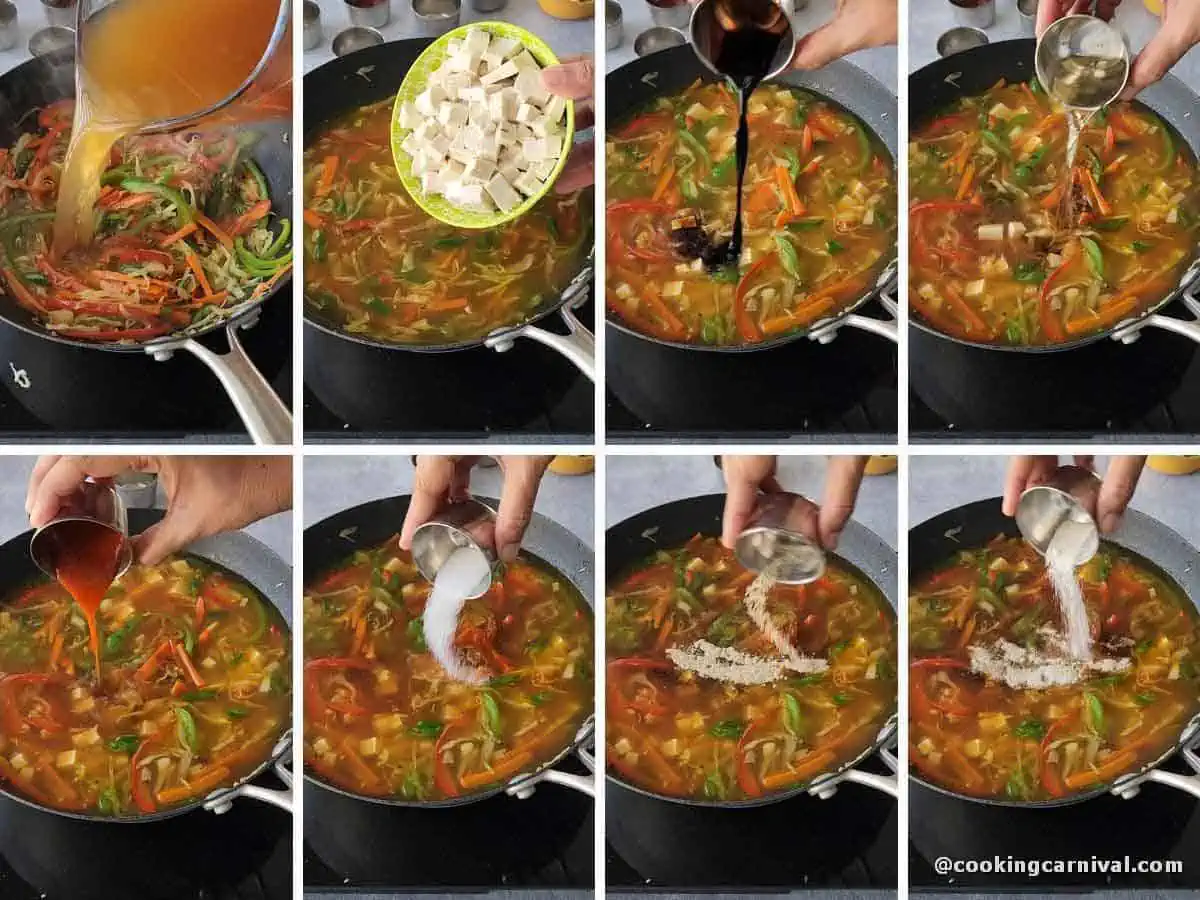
{"type": "Point", "coordinates": [1060, 566]}
{"type": "Point", "coordinates": [463, 575]}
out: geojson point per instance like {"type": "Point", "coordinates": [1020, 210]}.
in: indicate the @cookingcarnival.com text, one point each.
{"type": "Point", "coordinates": [1034, 868]}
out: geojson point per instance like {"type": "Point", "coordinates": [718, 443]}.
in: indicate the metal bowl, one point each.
{"type": "Point", "coordinates": [652, 40]}
{"type": "Point", "coordinates": [356, 38]}
{"type": "Point", "coordinates": [956, 40]}
{"type": "Point", "coordinates": [614, 25]}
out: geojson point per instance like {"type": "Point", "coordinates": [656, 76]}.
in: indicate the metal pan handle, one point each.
{"type": "Point", "coordinates": [578, 346]}
{"type": "Point", "coordinates": [1189, 784]}
{"type": "Point", "coordinates": [266, 418]}
{"type": "Point", "coordinates": [524, 788]}
{"type": "Point", "coordinates": [223, 802]}
{"type": "Point", "coordinates": [1128, 334]}
{"type": "Point", "coordinates": [824, 333]}
{"type": "Point", "coordinates": [887, 784]}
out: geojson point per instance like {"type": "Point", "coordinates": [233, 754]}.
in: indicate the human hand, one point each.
{"type": "Point", "coordinates": [856, 25]}
{"type": "Point", "coordinates": [575, 80]}
{"type": "Point", "coordinates": [1178, 33]}
{"type": "Point", "coordinates": [205, 495]}
{"type": "Point", "coordinates": [1050, 11]}
{"type": "Point", "coordinates": [445, 479]}
{"type": "Point", "coordinates": [747, 476]}
{"type": "Point", "coordinates": [1116, 487]}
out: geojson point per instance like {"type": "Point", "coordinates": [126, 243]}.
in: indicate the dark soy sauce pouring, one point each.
{"type": "Point", "coordinates": [740, 39]}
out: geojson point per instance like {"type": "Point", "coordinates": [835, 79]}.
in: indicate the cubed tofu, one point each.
{"type": "Point", "coordinates": [479, 171]}
{"type": "Point", "coordinates": [556, 108]}
{"type": "Point", "coordinates": [505, 47]}
{"type": "Point", "coordinates": [544, 169]}
{"type": "Point", "coordinates": [388, 723]}
{"type": "Point", "coordinates": [455, 112]}
{"type": "Point", "coordinates": [537, 149]}
{"type": "Point", "coordinates": [502, 105]}
{"type": "Point", "coordinates": [438, 146]}
{"type": "Point", "coordinates": [430, 183]}
{"type": "Point", "coordinates": [369, 746]}
{"type": "Point", "coordinates": [451, 171]}
{"type": "Point", "coordinates": [477, 94]}
{"type": "Point", "coordinates": [477, 41]}
{"type": "Point", "coordinates": [464, 60]}
{"type": "Point", "coordinates": [529, 85]}
{"type": "Point", "coordinates": [502, 193]}
{"type": "Point", "coordinates": [527, 113]}
{"type": "Point", "coordinates": [525, 62]}
{"type": "Point", "coordinates": [410, 117]}
{"type": "Point", "coordinates": [504, 71]}
{"type": "Point", "coordinates": [528, 184]}
{"type": "Point", "coordinates": [425, 132]}
{"type": "Point", "coordinates": [87, 738]}
{"type": "Point", "coordinates": [65, 759]}
{"type": "Point", "coordinates": [427, 101]}
{"type": "Point", "coordinates": [509, 171]}
{"type": "Point", "coordinates": [410, 145]}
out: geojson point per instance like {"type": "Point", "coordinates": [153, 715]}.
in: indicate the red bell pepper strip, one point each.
{"type": "Point", "coordinates": [1051, 780]}
{"type": "Point", "coordinates": [1051, 324]}
{"type": "Point", "coordinates": [747, 327]}
{"type": "Point", "coordinates": [745, 778]}
{"type": "Point", "coordinates": [140, 790]}
{"type": "Point", "coordinates": [639, 662]}
{"type": "Point", "coordinates": [442, 776]}
{"type": "Point", "coordinates": [938, 662]}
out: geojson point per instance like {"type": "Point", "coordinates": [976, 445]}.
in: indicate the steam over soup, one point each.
{"type": "Point", "coordinates": [193, 694]}
{"type": "Point", "coordinates": [1009, 247]}
{"type": "Point", "coordinates": [819, 215]}
{"type": "Point", "coordinates": [674, 732]}
{"type": "Point", "coordinates": [378, 266]}
{"type": "Point", "coordinates": [383, 718]}
{"type": "Point", "coordinates": [975, 734]}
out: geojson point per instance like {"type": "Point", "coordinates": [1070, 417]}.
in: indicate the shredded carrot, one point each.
{"type": "Point", "coordinates": [784, 179]}
{"type": "Point", "coordinates": [1110, 769]}
{"type": "Point", "coordinates": [185, 661]}
{"type": "Point", "coordinates": [1113, 312]}
{"type": "Point", "coordinates": [147, 669]}
{"type": "Point", "coordinates": [806, 139]}
{"type": "Point", "coordinates": [448, 305]}
{"type": "Point", "coordinates": [664, 181]}
{"type": "Point", "coordinates": [806, 768]}
{"type": "Point", "coordinates": [178, 235]}
{"type": "Point", "coordinates": [1103, 205]}
{"type": "Point", "coordinates": [56, 650]}
{"type": "Point", "coordinates": [214, 229]}
{"type": "Point", "coordinates": [198, 270]}
{"type": "Point", "coordinates": [197, 786]}
{"type": "Point", "coordinates": [964, 183]}
{"type": "Point", "coordinates": [313, 219]}
{"type": "Point", "coordinates": [328, 171]}
{"type": "Point", "coordinates": [1051, 199]}
{"type": "Point", "coordinates": [504, 768]}
{"type": "Point", "coordinates": [255, 213]}
{"type": "Point", "coordinates": [964, 309]}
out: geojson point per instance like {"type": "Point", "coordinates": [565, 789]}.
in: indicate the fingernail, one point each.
{"type": "Point", "coordinates": [1109, 522]}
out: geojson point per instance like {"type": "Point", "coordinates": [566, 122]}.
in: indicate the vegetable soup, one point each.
{"type": "Point", "coordinates": [1008, 247]}
{"type": "Point", "coordinates": [819, 215]}
{"type": "Point", "coordinates": [378, 266]}
{"type": "Point", "coordinates": [184, 235]}
{"type": "Point", "coordinates": [980, 736]}
{"type": "Point", "coordinates": [382, 717]}
{"type": "Point", "coordinates": [674, 732]}
{"type": "Point", "coordinates": [193, 694]}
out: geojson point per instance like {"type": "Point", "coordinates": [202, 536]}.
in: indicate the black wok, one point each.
{"type": "Point", "coordinates": [676, 385]}
{"type": "Point", "coordinates": [83, 384]}
{"type": "Point", "coordinates": [346, 370]}
{"type": "Point", "coordinates": [69, 854]}
{"type": "Point", "coordinates": [1008, 384]}
{"type": "Point", "coordinates": [464, 840]}
{"type": "Point", "coordinates": [659, 834]}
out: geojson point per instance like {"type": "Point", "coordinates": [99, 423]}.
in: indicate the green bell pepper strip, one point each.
{"type": "Point", "coordinates": [255, 264]}
{"type": "Point", "coordinates": [259, 179]}
{"type": "Point", "coordinates": [691, 140]}
{"type": "Point", "coordinates": [183, 209]}
{"type": "Point", "coordinates": [864, 147]}
{"type": "Point", "coordinates": [285, 231]}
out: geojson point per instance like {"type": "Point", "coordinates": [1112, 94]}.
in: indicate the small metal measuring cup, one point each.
{"type": "Point", "coordinates": [10, 29]}
{"type": "Point", "coordinates": [97, 504]}
{"type": "Point", "coordinates": [1082, 61]}
{"type": "Point", "coordinates": [469, 524]}
{"type": "Point", "coordinates": [794, 558]}
{"type": "Point", "coordinates": [312, 25]}
{"type": "Point", "coordinates": [1059, 514]}
{"type": "Point", "coordinates": [975, 13]}
{"type": "Point", "coordinates": [712, 19]}
{"type": "Point", "coordinates": [60, 12]}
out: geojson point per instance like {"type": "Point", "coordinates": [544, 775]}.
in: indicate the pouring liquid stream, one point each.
{"type": "Point", "coordinates": [87, 559]}
{"type": "Point", "coordinates": [148, 61]}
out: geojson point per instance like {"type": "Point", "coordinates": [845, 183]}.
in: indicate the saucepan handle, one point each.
{"type": "Point", "coordinates": [223, 802]}
{"type": "Point", "coordinates": [824, 333]}
{"type": "Point", "coordinates": [524, 788]}
{"type": "Point", "coordinates": [265, 416]}
{"type": "Point", "coordinates": [579, 346]}
{"type": "Point", "coordinates": [1128, 334]}
{"type": "Point", "coordinates": [1189, 784]}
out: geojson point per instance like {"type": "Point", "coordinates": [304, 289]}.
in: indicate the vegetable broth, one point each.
{"type": "Point", "coordinates": [818, 214]}
{"type": "Point", "coordinates": [979, 736]}
{"type": "Point", "coordinates": [193, 694]}
{"type": "Point", "coordinates": [184, 235]}
{"type": "Point", "coordinates": [378, 266]}
{"type": "Point", "coordinates": [382, 717]}
{"type": "Point", "coordinates": [675, 733]}
{"type": "Point", "coordinates": [1008, 246]}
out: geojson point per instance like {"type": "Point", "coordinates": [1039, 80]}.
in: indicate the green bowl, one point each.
{"type": "Point", "coordinates": [416, 81]}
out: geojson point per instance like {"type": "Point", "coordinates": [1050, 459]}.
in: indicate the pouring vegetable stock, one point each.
{"type": "Point", "coordinates": [148, 61]}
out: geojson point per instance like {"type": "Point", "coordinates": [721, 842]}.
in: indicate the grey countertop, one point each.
{"type": "Point", "coordinates": [929, 19]}
{"type": "Point", "coordinates": [565, 38]}
{"type": "Point", "coordinates": [939, 483]}
{"type": "Point", "coordinates": [635, 483]}
{"type": "Point", "coordinates": [547, 894]}
{"type": "Point", "coordinates": [880, 62]}
{"type": "Point", "coordinates": [274, 531]}
{"type": "Point", "coordinates": [334, 483]}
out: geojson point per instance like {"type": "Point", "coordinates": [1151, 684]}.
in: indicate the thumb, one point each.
{"type": "Point", "coordinates": [1164, 50]}
{"type": "Point", "coordinates": [573, 79]}
{"type": "Point", "coordinates": [821, 47]}
{"type": "Point", "coordinates": [162, 539]}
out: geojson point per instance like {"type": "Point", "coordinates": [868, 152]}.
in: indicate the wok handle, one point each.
{"type": "Point", "coordinates": [223, 802]}
{"type": "Point", "coordinates": [523, 789]}
{"type": "Point", "coordinates": [888, 784]}
{"type": "Point", "coordinates": [1128, 334]}
{"type": "Point", "coordinates": [588, 757]}
{"type": "Point", "coordinates": [1189, 784]}
{"type": "Point", "coordinates": [579, 346]}
{"type": "Point", "coordinates": [884, 328]}
{"type": "Point", "coordinates": [266, 418]}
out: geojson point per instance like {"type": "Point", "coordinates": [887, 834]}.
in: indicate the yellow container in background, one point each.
{"type": "Point", "coordinates": [1155, 6]}
{"type": "Point", "coordinates": [1174, 465]}
{"type": "Point", "coordinates": [881, 465]}
{"type": "Point", "coordinates": [568, 9]}
{"type": "Point", "coordinates": [572, 465]}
